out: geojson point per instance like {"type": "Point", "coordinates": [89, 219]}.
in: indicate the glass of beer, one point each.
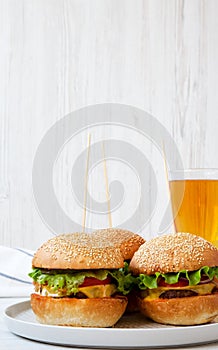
{"type": "Point", "coordinates": [194, 200]}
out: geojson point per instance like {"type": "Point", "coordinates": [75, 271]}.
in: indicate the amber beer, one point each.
{"type": "Point", "coordinates": [194, 199]}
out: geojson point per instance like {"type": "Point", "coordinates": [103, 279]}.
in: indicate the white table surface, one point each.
{"type": "Point", "coordinates": [11, 341]}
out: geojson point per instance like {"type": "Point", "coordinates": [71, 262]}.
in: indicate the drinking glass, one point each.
{"type": "Point", "coordinates": [194, 200]}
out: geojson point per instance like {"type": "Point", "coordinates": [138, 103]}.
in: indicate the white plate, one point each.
{"type": "Point", "coordinates": [132, 331]}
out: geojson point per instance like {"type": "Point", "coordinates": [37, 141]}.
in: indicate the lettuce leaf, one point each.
{"type": "Point", "coordinates": [194, 277]}
{"type": "Point", "coordinates": [70, 281]}
{"type": "Point", "coordinates": [125, 280]}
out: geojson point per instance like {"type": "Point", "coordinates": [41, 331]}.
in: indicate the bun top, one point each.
{"type": "Point", "coordinates": [172, 253]}
{"type": "Point", "coordinates": [127, 241]}
{"type": "Point", "coordinates": [102, 249]}
{"type": "Point", "coordinates": [77, 251]}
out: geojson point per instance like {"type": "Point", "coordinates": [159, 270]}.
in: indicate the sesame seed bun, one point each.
{"type": "Point", "coordinates": [127, 241]}
{"type": "Point", "coordinates": [78, 251]}
{"type": "Point", "coordinates": [100, 312]}
{"type": "Point", "coordinates": [172, 253]}
{"type": "Point", "coordinates": [106, 248]}
{"type": "Point", "coordinates": [181, 311]}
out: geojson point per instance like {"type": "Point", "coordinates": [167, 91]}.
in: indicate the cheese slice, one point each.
{"type": "Point", "coordinates": [201, 289]}
{"type": "Point", "coordinates": [98, 291]}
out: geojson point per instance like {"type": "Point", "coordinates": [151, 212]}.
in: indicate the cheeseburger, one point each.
{"type": "Point", "coordinates": [81, 280]}
{"type": "Point", "coordinates": [177, 279]}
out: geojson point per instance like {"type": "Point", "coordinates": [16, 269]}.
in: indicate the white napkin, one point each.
{"type": "Point", "coordinates": [15, 264]}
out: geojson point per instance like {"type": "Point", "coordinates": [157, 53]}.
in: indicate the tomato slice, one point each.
{"type": "Point", "coordinates": [182, 282]}
{"type": "Point", "coordinates": [204, 279]}
{"type": "Point", "coordinates": [92, 281]}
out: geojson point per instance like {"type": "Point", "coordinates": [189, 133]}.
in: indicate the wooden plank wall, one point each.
{"type": "Point", "coordinates": [56, 57]}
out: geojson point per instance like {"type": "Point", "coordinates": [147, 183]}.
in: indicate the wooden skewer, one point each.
{"type": "Point", "coordinates": [86, 183]}
{"type": "Point", "coordinates": [167, 174]}
{"type": "Point", "coordinates": [107, 187]}
{"type": "Point", "coordinates": [166, 170]}
{"type": "Point", "coordinates": [165, 163]}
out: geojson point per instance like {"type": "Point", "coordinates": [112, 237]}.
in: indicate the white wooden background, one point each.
{"type": "Point", "coordinates": [57, 56]}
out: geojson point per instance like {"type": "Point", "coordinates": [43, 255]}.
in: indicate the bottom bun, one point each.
{"type": "Point", "coordinates": [90, 312]}
{"type": "Point", "coordinates": [181, 311]}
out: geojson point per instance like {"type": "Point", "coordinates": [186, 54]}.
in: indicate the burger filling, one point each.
{"type": "Point", "coordinates": [179, 285]}
{"type": "Point", "coordinates": [82, 284]}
